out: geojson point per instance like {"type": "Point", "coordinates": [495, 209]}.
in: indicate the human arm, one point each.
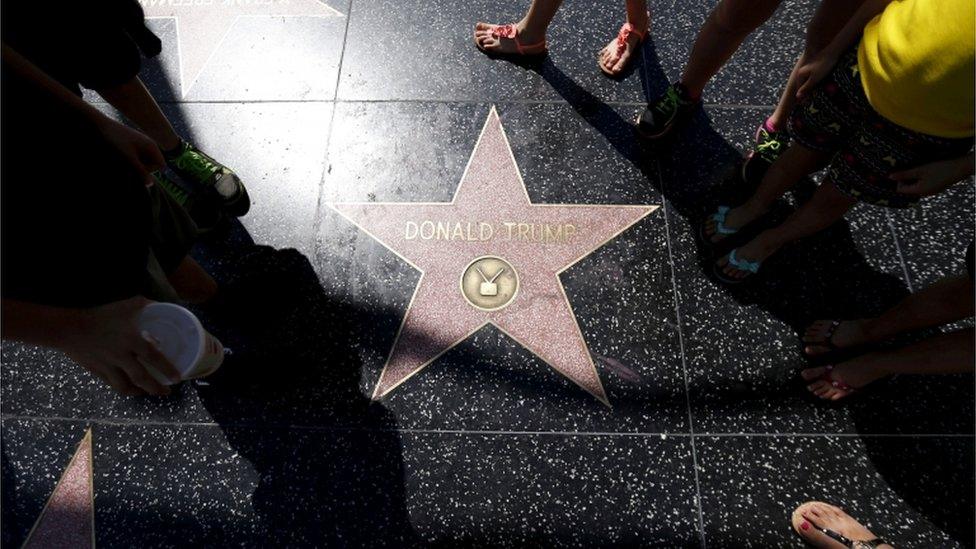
{"type": "Point", "coordinates": [934, 177]}
{"type": "Point", "coordinates": [815, 70]}
{"type": "Point", "coordinates": [104, 340]}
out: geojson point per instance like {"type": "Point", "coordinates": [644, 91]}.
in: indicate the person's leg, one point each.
{"type": "Point", "coordinates": [796, 163]}
{"type": "Point", "coordinates": [951, 353]}
{"type": "Point", "coordinates": [637, 13]}
{"type": "Point", "coordinates": [771, 136]}
{"type": "Point", "coordinates": [948, 300]}
{"type": "Point", "coordinates": [818, 522]}
{"type": "Point", "coordinates": [616, 55]}
{"type": "Point", "coordinates": [827, 206]}
{"type": "Point", "coordinates": [829, 19]}
{"type": "Point", "coordinates": [724, 30]}
{"type": "Point", "coordinates": [134, 101]}
{"type": "Point", "coordinates": [192, 283]}
{"type": "Point", "coordinates": [531, 29]}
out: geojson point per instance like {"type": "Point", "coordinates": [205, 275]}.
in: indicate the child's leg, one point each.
{"type": "Point", "coordinates": [771, 135]}
{"type": "Point", "coordinates": [829, 19]}
{"type": "Point", "coordinates": [726, 27]}
{"type": "Point", "coordinates": [796, 163]}
{"type": "Point", "coordinates": [950, 353]}
{"type": "Point", "coordinates": [724, 30]}
{"type": "Point", "coordinates": [537, 19]}
{"type": "Point", "coordinates": [531, 29]}
{"type": "Point", "coordinates": [637, 13]}
{"type": "Point", "coordinates": [946, 301]}
{"type": "Point", "coordinates": [615, 56]}
{"type": "Point", "coordinates": [134, 101]}
{"type": "Point", "coordinates": [827, 206]}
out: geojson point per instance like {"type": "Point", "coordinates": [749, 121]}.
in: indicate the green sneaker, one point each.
{"type": "Point", "coordinates": [661, 116]}
{"type": "Point", "coordinates": [200, 168]}
{"type": "Point", "coordinates": [204, 213]}
{"type": "Point", "coordinates": [769, 146]}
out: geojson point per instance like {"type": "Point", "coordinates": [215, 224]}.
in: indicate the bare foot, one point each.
{"type": "Point", "coordinates": [811, 518]}
{"type": "Point", "coordinates": [854, 374]}
{"type": "Point", "coordinates": [757, 250]}
{"type": "Point", "coordinates": [615, 56]}
{"type": "Point", "coordinates": [737, 218]}
{"type": "Point", "coordinates": [848, 333]}
{"type": "Point", "coordinates": [509, 39]}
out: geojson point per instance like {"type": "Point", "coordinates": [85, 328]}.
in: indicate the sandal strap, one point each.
{"type": "Point", "coordinates": [836, 536]}
{"type": "Point", "coordinates": [719, 218]}
{"type": "Point", "coordinates": [743, 264]}
{"type": "Point", "coordinates": [829, 334]}
{"type": "Point", "coordinates": [623, 35]}
{"type": "Point", "coordinates": [510, 31]}
{"type": "Point", "coordinates": [849, 543]}
{"type": "Point", "coordinates": [835, 383]}
{"type": "Point", "coordinates": [870, 544]}
{"type": "Point", "coordinates": [505, 31]}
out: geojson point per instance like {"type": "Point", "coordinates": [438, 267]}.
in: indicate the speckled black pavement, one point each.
{"type": "Point", "coordinates": [710, 440]}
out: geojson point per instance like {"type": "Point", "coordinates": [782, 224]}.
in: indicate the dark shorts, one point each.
{"type": "Point", "coordinates": [79, 227]}
{"type": "Point", "coordinates": [866, 147]}
{"type": "Point", "coordinates": [96, 44]}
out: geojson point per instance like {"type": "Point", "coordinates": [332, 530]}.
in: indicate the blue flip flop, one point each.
{"type": "Point", "coordinates": [751, 267]}
{"type": "Point", "coordinates": [720, 228]}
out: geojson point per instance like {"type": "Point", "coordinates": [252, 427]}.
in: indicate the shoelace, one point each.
{"type": "Point", "coordinates": [177, 192]}
{"type": "Point", "coordinates": [196, 163]}
{"type": "Point", "coordinates": [669, 103]}
{"type": "Point", "coordinates": [769, 149]}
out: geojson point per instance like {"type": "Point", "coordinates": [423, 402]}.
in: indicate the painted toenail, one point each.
{"type": "Point", "coordinates": [805, 525]}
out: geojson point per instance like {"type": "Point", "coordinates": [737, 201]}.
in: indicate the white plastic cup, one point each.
{"type": "Point", "coordinates": [182, 339]}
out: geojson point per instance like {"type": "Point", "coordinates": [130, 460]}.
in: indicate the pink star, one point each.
{"type": "Point", "coordinates": [68, 518]}
{"type": "Point", "coordinates": [529, 246]}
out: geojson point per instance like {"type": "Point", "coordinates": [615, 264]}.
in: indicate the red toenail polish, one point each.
{"type": "Point", "coordinates": [805, 525]}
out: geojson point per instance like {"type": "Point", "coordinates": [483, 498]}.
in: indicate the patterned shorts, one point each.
{"type": "Point", "coordinates": [866, 147]}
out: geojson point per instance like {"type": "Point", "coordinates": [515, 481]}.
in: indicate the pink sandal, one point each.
{"type": "Point", "coordinates": [510, 32]}
{"type": "Point", "coordinates": [621, 46]}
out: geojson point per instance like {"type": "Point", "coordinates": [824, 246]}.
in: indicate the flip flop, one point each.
{"type": "Point", "coordinates": [720, 228]}
{"type": "Point", "coordinates": [510, 31]}
{"type": "Point", "coordinates": [836, 383]}
{"type": "Point", "coordinates": [751, 267]}
{"type": "Point", "coordinates": [798, 518]}
{"type": "Point", "coordinates": [828, 340]}
{"type": "Point", "coordinates": [622, 36]}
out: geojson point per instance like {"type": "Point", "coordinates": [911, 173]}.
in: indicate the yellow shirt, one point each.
{"type": "Point", "coordinates": [916, 63]}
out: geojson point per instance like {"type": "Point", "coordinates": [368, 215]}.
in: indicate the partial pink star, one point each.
{"type": "Point", "coordinates": [540, 317]}
{"type": "Point", "coordinates": [68, 518]}
{"type": "Point", "coordinates": [201, 27]}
